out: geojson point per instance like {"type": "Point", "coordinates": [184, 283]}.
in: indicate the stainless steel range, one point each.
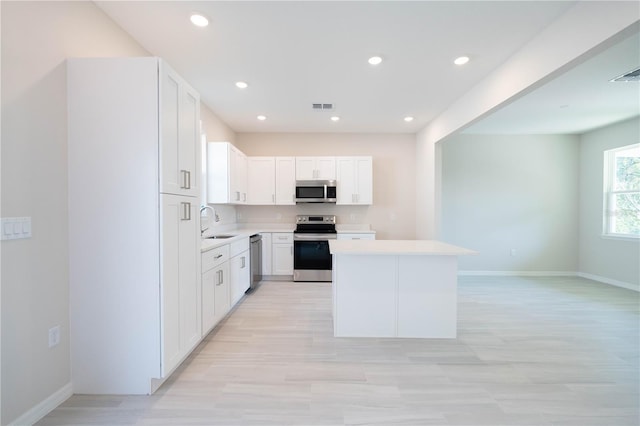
{"type": "Point", "coordinates": [311, 257]}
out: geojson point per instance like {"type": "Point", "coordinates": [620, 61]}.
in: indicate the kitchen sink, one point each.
{"type": "Point", "coordinates": [219, 237]}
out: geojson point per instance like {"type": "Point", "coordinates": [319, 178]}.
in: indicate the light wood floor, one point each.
{"type": "Point", "coordinates": [530, 351]}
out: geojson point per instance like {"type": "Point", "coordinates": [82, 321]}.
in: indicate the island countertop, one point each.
{"type": "Point", "coordinates": [396, 247]}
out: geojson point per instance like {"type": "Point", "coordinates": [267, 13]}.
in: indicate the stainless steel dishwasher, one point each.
{"type": "Point", "coordinates": [256, 261]}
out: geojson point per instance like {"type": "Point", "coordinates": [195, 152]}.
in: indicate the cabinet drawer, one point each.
{"type": "Point", "coordinates": [214, 257]}
{"type": "Point", "coordinates": [238, 247]}
{"type": "Point", "coordinates": [282, 237]}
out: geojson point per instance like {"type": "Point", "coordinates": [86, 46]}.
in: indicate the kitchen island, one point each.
{"type": "Point", "coordinates": [395, 288]}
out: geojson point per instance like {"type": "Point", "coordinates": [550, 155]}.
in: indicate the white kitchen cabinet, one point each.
{"type": "Point", "coordinates": [355, 180]}
{"type": "Point", "coordinates": [271, 180]}
{"type": "Point", "coordinates": [240, 272]}
{"type": "Point", "coordinates": [266, 253]}
{"type": "Point", "coordinates": [134, 246]}
{"type": "Point", "coordinates": [285, 180]}
{"type": "Point", "coordinates": [356, 236]}
{"type": "Point", "coordinates": [309, 168]}
{"type": "Point", "coordinates": [282, 253]}
{"type": "Point", "coordinates": [226, 174]}
{"type": "Point", "coordinates": [181, 321]}
{"type": "Point", "coordinates": [214, 261]}
{"type": "Point", "coordinates": [179, 135]}
{"type": "Point", "coordinates": [261, 173]}
{"type": "Point", "coordinates": [239, 269]}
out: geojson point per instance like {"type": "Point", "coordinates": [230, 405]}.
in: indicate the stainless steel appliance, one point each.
{"type": "Point", "coordinates": [256, 260]}
{"type": "Point", "coordinates": [311, 257]}
{"type": "Point", "coordinates": [316, 191]}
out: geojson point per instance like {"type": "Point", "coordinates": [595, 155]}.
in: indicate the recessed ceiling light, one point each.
{"type": "Point", "coordinates": [461, 60]}
{"type": "Point", "coordinates": [241, 84]}
{"type": "Point", "coordinates": [408, 119]}
{"type": "Point", "coordinates": [375, 60]}
{"type": "Point", "coordinates": [199, 20]}
{"type": "Point", "coordinates": [262, 117]}
{"type": "Point", "coordinates": [335, 118]}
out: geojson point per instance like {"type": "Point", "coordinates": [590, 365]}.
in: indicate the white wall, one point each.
{"type": "Point", "coordinates": [36, 39]}
{"type": "Point", "coordinates": [583, 31]}
{"type": "Point", "coordinates": [512, 192]}
{"type": "Point", "coordinates": [615, 260]}
{"type": "Point", "coordinates": [392, 214]}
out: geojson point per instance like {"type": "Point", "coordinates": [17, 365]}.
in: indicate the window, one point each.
{"type": "Point", "coordinates": [622, 191]}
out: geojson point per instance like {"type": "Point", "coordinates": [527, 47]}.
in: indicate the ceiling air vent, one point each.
{"type": "Point", "coordinates": [322, 107]}
{"type": "Point", "coordinates": [630, 76]}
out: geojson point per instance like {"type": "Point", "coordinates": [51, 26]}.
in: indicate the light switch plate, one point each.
{"type": "Point", "coordinates": [14, 228]}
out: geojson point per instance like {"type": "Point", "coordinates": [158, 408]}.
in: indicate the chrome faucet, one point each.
{"type": "Point", "coordinates": [216, 218]}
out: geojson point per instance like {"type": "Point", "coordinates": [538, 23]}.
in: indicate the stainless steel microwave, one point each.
{"type": "Point", "coordinates": [316, 191]}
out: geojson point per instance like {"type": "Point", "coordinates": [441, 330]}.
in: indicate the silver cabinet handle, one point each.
{"type": "Point", "coordinates": [237, 195]}
{"type": "Point", "coordinates": [244, 196]}
{"type": "Point", "coordinates": [243, 262]}
{"type": "Point", "coordinates": [218, 256]}
{"type": "Point", "coordinates": [220, 277]}
{"type": "Point", "coordinates": [186, 211]}
{"type": "Point", "coordinates": [186, 179]}
{"type": "Point", "coordinates": [273, 198]}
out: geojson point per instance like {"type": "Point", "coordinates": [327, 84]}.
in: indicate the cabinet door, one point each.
{"type": "Point", "coordinates": [355, 180]}
{"type": "Point", "coordinates": [261, 172]}
{"type": "Point", "coordinates": [266, 253]}
{"type": "Point", "coordinates": [305, 168]}
{"type": "Point", "coordinates": [189, 147]}
{"type": "Point", "coordinates": [282, 259]}
{"type": "Point", "coordinates": [238, 176]}
{"type": "Point", "coordinates": [190, 304]}
{"type": "Point", "coordinates": [364, 180]}
{"type": "Point", "coordinates": [179, 134]}
{"type": "Point", "coordinates": [285, 180]}
{"type": "Point", "coordinates": [222, 304]}
{"type": "Point", "coordinates": [171, 214]}
{"type": "Point", "coordinates": [240, 276]}
{"type": "Point", "coordinates": [208, 300]}
{"type": "Point", "coordinates": [180, 316]}
{"type": "Point", "coordinates": [346, 176]}
{"type": "Point", "coordinates": [326, 168]}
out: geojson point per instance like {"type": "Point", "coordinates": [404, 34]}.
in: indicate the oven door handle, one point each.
{"type": "Point", "coordinates": [314, 237]}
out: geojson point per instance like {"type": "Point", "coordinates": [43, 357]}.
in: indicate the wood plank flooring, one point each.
{"type": "Point", "coordinates": [530, 351]}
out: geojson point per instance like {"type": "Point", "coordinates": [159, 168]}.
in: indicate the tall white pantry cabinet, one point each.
{"type": "Point", "coordinates": [134, 240]}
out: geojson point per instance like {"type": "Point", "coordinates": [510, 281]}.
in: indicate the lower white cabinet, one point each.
{"type": "Point", "coordinates": [282, 253]}
{"type": "Point", "coordinates": [266, 253]}
{"type": "Point", "coordinates": [215, 287]}
{"type": "Point", "coordinates": [239, 269]}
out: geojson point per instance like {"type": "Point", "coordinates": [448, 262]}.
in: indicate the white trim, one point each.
{"type": "Point", "coordinates": [45, 407]}
{"type": "Point", "coordinates": [628, 286]}
{"type": "Point", "coordinates": [519, 273]}
{"type": "Point", "coordinates": [604, 280]}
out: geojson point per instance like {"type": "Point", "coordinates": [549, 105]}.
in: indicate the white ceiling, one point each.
{"type": "Point", "coordinates": [296, 53]}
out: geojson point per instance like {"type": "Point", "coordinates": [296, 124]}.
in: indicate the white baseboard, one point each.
{"type": "Point", "coordinates": [628, 286]}
{"type": "Point", "coordinates": [45, 407]}
{"type": "Point", "coordinates": [519, 273]}
{"type": "Point", "coordinates": [604, 280]}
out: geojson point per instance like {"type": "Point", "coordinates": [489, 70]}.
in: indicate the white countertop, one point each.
{"type": "Point", "coordinates": [396, 247]}
{"type": "Point", "coordinates": [245, 231]}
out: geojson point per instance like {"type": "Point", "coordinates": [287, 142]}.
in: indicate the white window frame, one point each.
{"type": "Point", "coordinates": [609, 176]}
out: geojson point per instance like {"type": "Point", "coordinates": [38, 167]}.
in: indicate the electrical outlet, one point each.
{"type": "Point", "coordinates": [54, 336]}
{"type": "Point", "coordinates": [513, 252]}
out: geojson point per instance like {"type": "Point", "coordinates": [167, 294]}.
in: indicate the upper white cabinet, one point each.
{"type": "Point", "coordinates": [285, 180]}
{"type": "Point", "coordinates": [271, 180]}
{"type": "Point", "coordinates": [226, 174]}
{"type": "Point", "coordinates": [134, 246]}
{"type": "Point", "coordinates": [261, 173]}
{"type": "Point", "coordinates": [309, 168]}
{"type": "Point", "coordinates": [355, 180]}
{"type": "Point", "coordinates": [179, 135]}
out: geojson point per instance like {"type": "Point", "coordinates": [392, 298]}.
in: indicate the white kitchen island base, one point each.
{"type": "Point", "coordinates": [395, 288]}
